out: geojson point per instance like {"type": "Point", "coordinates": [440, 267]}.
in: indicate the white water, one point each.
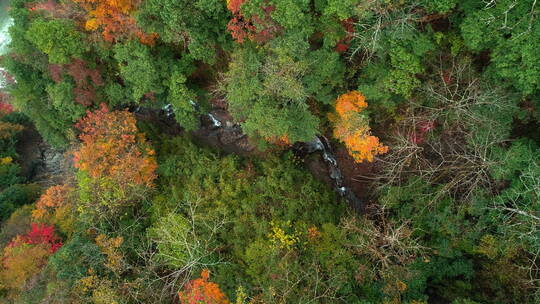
{"type": "Point", "coordinates": [5, 39]}
{"type": "Point", "coordinates": [5, 23]}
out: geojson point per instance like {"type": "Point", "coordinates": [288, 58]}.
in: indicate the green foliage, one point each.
{"type": "Point", "coordinates": [198, 25]}
{"type": "Point", "coordinates": [341, 9]}
{"type": "Point", "coordinates": [402, 78]}
{"type": "Point", "coordinates": [16, 118]}
{"type": "Point", "coordinates": [511, 31]}
{"type": "Point", "coordinates": [139, 69]}
{"type": "Point", "coordinates": [326, 74]}
{"type": "Point", "coordinates": [393, 76]}
{"type": "Point", "coordinates": [75, 258]}
{"type": "Point", "coordinates": [10, 175]}
{"type": "Point", "coordinates": [269, 94]}
{"type": "Point", "coordinates": [29, 95]}
{"type": "Point", "coordinates": [62, 99]}
{"type": "Point", "coordinates": [181, 98]}
{"type": "Point", "coordinates": [57, 38]}
{"type": "Point", "coordinates": [15, 196]}
{"type": "Point", "coordinates": [232, 205]}
{"type": "Point", "coordinates": [518, 204]}
{"type": "Point", "coordinates": [439, 6]}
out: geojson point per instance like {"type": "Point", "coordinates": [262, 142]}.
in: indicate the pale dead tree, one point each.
{"type": "Point", "coordinates": [518, 213]}
{"type": "Point", "coordinates": [510, 22]}
{"type": "Point", "coordinates": [191, 250]}
{"type": "Point", "coordinates": [371, 31]}
{"type": "Point", "coordinates": [390, 249]}
{"type": "Point", "coordinates": [458, 159]}
{"type": "Point", "coordinates": [385, 244]}
{"type": "Point", "coordinates": [316, 284]}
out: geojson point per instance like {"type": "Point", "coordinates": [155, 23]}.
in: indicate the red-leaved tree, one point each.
{"type": "Point", "coordinates": [86, 79]}
{"type": "Point", "coordinates": [257, 28]}
{"type": "Point", "coordinates": [25, 255]}
{"type": "Point", "coordinates": [344, 44]}
{"type": "Point", "coordinates": [39, 234]}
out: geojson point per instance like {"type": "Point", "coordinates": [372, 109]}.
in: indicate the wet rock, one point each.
{"type": "Point", "coordinates": [322, 144]}
{"type": "Point", "coordinates": [223, 116]}
{"type": "Point", "coordinates": [231, 135]}
{"type": "Point", "coordinates": [313, 146]}
{"type": "Point", "coordinates": [215, 122]}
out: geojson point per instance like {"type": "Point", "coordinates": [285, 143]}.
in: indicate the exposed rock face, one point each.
{"type": "Point", "coordinates": [40, 162]}
{"type": "Point", "coordinates": [52, 166]}
{"type": "Point", "coordinates": [219, 130]}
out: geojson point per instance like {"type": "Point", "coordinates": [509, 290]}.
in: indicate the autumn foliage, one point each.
{"type": "Point", "coordinates": [281, 141]}
{"type": "Point", "coordinates": [8, 129]}
{"type": "Point", "coordinates": [5, 107]}
{"type": "Point", "coordinates": [54, 207]}
{"type": "Point", "coordinates": [39, 234]}
{"type": "Point", "coordinates": [344, 44]}
{"type": "Point", "coordinates": [257, 28]}
{"type": "Point", "coordinates": [26, 254]}
{"type": "Point", "coordinates": [86, 79]}
{"type": "Point", "coordinates": [113, 18]}
{"type": "Point", "coordinates": [113, 148]}
{"type": "Point", "coordinates": [110, 248]}
{"type": "Point", "coordinates": [201, 291]}
{"type": "Point", "coordinates": [21, 262]}
{"type": "Point", "coordinates": [351, 127]}
{"type": "Point", "coordinates": [52, 8]}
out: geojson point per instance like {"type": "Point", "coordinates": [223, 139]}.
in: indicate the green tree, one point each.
{"type": "Point", "coordinates": [510, 30]}
{"type": "Point", "coordinates": [139, 69]}
{"type": "Point", "coordinates": [196, 25]}
{"type": "Point", "coordinates": [57, 38]}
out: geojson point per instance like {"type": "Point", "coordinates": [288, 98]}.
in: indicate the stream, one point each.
{"type": "Point", "coordinates": [219, 131]}
{"type": "Point", "coordinates": [5, 23]}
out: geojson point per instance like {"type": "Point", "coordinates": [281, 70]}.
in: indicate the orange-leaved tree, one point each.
{"type": "Point", "coordinates": [112, 147]}
{"type": "Point", "coordinates": [55, 206]}
{"type": "Point", "coordinates": [202, 291]}
{"type": "Point", "coordinates": [352, 128]}
{"type": "Point", "coordinates": [113, 18]}
{"type": "Point", "coordinates": [117, 165]}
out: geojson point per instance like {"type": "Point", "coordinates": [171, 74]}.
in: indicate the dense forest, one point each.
{"type": "Point", "coordinates": [270, 151]}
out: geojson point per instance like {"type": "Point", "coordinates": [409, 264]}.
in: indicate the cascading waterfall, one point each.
{"type": "Point", "coordinates": [320, 144]}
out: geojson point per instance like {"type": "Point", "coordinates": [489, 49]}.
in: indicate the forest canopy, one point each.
{"type": "Point", "coordinates": [270, 151]}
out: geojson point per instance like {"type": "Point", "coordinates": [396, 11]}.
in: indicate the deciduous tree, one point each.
{"type": "Point", "coordinates": [57, 38]}
{"type": "Point", "coordinates": [202, 291]}
{"type": "Point", "coordinates": [26, 254]}
{"type": "Point", "coordinates": [114, 19]}
{"type": "Point", "coordinates": [351, 127]}
{"type": "Point", "coordinates": [112, 147]}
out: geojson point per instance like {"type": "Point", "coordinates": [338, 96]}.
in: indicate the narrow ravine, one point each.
{"type": "Point", "coordinates": [219, 131]}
